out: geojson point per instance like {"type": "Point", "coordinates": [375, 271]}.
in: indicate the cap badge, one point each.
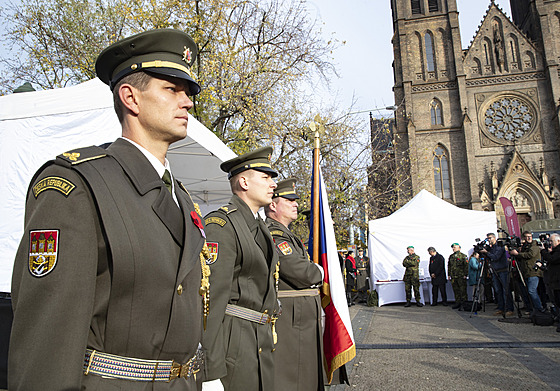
{"type": "Point", "coordinates": [187, 57]}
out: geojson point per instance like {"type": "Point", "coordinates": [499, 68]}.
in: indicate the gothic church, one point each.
{"type": "Point", "coordinates": [481, 122]}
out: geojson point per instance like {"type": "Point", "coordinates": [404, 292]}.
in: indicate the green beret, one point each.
{"type": "Point", "coordinates": [412, 247]}
{"type": "Point", "coordinates": [455, 244]}
{"type": "Point", "coordinates": [286, 189]}
{"type": "Point", "coordinates": [167, 52]}
{"type": "Point", "coordinates": [258, 159]}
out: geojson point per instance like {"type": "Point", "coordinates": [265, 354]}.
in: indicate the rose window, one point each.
{"type": "Point", "coordinates": [509, 118]}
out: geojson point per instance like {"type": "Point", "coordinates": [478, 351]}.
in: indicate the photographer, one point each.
{"type": "Point", "coordinates": [527, 257]}
{"type": "Point", "coordinates": [552, 258]}
{"type": "Point", "coordinates": [498, 261]}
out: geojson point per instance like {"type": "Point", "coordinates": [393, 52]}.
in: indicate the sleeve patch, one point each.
{"type": "Point", "coordinates": [215, 220]}
{"type": "Point", "coordinates": [285, 248]}
{"type": "Point", "coordinates": [43, 251]}
{"type": "Point", "coordinates": [213, 250]}
{"type": "Point", "coordinates": [277, 233]}
{"type": "Point", "coordinates": [53, 183]}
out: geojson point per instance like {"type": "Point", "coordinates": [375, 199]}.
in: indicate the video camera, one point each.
{"type": "Point", "coordinates": [545, 240]}
{"type": "Point", "coordinates": [481, 245]}
{"type": "Point", "coordinates": [511, 241]}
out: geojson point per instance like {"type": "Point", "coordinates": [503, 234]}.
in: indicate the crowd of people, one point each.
{"type": "Point", "coordinates": [495, 272]}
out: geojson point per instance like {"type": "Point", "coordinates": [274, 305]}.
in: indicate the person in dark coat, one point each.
{"type": "Point", "coordinates": [552, 257]}
{"type": "Point", "coordinates": [351, 280]}
{"type": "Point", "coordinates": [109, 267]}
{"type": "Point", "coordinates": [362, 265]}
{"type": "Point", "coordinates": [240, 339]}
{"type": "Point", "coordinates": [438, 275]}
{"type": "Point", "coordinates": [298, 359]}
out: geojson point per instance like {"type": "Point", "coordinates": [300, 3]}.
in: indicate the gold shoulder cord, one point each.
{"type": "Point", "coordinates": [204, 290]}
{"type": "Point", "coordinates": [274, 317]}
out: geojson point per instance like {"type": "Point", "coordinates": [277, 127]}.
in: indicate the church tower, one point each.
{"type": "Point", "coordinates": [481, 122]}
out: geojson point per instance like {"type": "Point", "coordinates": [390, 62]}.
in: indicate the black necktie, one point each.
{"type": "Point", "coordinates": [167, 180]}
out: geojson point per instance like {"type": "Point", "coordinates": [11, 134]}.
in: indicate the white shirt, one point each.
{"type": "Point", "coordinates": [160, 168]}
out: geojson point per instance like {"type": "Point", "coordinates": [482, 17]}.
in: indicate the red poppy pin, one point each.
{"type": "Point", "coordinates": [196, 220]}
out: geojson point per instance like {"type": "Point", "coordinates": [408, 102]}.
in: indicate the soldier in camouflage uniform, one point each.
{"type": "Point", "coordinates": [458, 269]}
{"type": "Point", "coordinates": [411, 278]}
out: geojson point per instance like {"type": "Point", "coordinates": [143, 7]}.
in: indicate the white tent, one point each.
{"type": "Point", "coordinates": [37, 126]}
{"type": "Point", "coordinates": [424, 221]}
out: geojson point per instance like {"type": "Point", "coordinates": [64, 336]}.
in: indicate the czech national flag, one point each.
{"type": "Point", "coordinates": [338, 340]}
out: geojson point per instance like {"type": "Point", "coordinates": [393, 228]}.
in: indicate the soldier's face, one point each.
{"type": "Point", "coordinates": [410, 251]}
{"type": "Point", "coordinates": [287, 208]}
{"type": "Point", "coordinates": [456, 248]}
{"type": "Point", "coordinates": [260, 187]}
{"type": "Point", "coordinates": [163, 109]}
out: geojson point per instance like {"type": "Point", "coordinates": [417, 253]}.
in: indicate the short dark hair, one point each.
{"type": "Point", "coordinates": [527, 233]}
{"type": "Point", "coordinates": [430, 249]}
{"type": "Point", "coordinates": [138, 80]}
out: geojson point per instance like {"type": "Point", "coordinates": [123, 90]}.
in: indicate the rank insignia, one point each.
{"type": "Point", "coordinates": [43, 251]}
{"type": "Point", "coordinates": [285, 248]}
{"type": "Point", "coordinates": [213, 249]}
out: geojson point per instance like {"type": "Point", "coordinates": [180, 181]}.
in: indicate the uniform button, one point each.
{"type": "Point", "coordinates": [260, 350]}
{"type": "Point", "coordinates": [180, 289]}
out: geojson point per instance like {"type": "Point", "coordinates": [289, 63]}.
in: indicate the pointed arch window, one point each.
{"type": "Point", "coordinates": [441, 173]}
{"type": "Point", "coordinates": [435, 112]}
{"type": "Point", "coordinates": [430, 56]}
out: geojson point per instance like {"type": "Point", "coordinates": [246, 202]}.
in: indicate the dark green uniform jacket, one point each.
{"type": "Point", "coordinates": [124, 279]}
{"type": "Point", "coordinates": [411, 263]}
{"type": "Point", "coordinates": [239, 351]}
{"type": "Point", "coordinates": [298, 358]}
{"type": "Point", "coordinates": [458, 265]}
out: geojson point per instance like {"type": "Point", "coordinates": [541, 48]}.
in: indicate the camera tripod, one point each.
{"type": "Point", "coordinates": [477, 291]}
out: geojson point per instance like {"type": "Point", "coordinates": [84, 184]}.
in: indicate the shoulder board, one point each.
{"type": "Point", "coordinates": [215, 220]}
{"type": "Point", "coordinates": [227, 209]}
{"type": "Point", "coordinates": [81, 155]}
{"type": "Point", "coordinates": [277, 233]}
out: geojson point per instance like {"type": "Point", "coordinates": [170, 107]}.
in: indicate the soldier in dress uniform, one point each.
{"type": "Point", "coordinates": [241, 336]}
{"type": "Point", "coordinates": [411, 277]}
{"type": "Point", "coordinates": [107, 275]}
{"type": "Point", "coordinates": [458, 270]}
{"type": "Point", "coordinates": [298, 358]}
{"type": "Point", "coordinates": [362, 264]}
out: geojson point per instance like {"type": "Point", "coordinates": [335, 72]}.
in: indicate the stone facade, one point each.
{"type": "Point", "coordinates": [468, 117]}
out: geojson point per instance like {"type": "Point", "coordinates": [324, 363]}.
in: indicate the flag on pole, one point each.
{"type": "Point", "coordinates": [338, 340]}
{"type": "Point", "coordinates": [511, 217]}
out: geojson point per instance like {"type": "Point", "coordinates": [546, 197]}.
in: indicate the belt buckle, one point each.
{"type": "Point", "coordinates": [191, 367]}
{"type": "Point", "coordinates": [175, 371]}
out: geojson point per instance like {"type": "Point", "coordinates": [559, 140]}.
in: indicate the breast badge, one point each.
{"type": "Point", "coordinates": [213, 249]}
{"type": "Point", "coordinates": [43, 251]}
{"type": "Point", "coordinates": [285, 248]}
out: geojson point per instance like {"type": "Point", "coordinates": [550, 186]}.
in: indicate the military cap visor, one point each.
{"type": "Point", "coordinates": [286, 189]}
{"type": "Point", "coordinates": [258, 159]}
{"type": "Point", "coordinates": [167, 52]}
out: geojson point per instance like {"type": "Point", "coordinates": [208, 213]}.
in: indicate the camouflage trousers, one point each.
{"type": "Point", "coordinates": [459, 286]}
{"type": "Point", "coordinates": [412, 282]}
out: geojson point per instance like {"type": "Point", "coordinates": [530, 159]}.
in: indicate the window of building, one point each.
{"type": "Point", "coordinates": [433, 5]}
{"type": "Point", "coordinates": [430, 57]}
{"type": "Point", "coordinates": [415, 6]}
{"type": "Point", "coordinates": [435, 111]}
{"type": "Point", "coordinates": [441, 173]}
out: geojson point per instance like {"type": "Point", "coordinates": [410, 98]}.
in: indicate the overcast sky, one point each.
{"type": "Point", "coordinates": [364, 62]}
